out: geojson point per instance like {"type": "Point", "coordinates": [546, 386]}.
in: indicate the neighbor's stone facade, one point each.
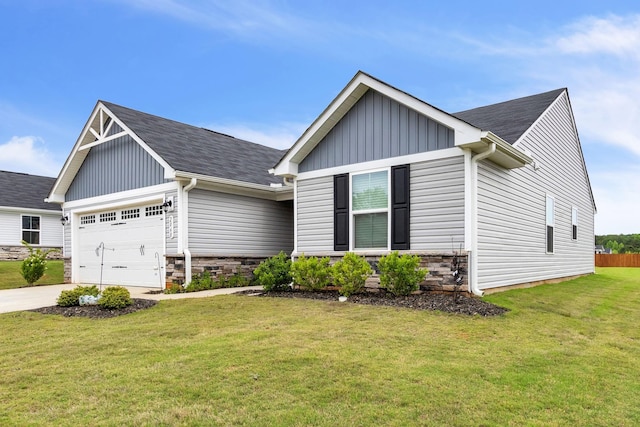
{"type": "Point", "coordinates": [18, 253]}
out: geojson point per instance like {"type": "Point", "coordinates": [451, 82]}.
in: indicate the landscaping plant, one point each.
{"type": "Point", "coordinates": [400, 275]}
{"type": "Point", "coordinates": [115, 297]}
{"type": "Point", "coordinates": [34, 266]}
{"type": "Point", "coordinates": [350, 273]}
{"type": "Point", "coordinates": [312, 273]}
{"type": "Point", "coordinates": [274, 274]}
{"type": "Point", "coordinates": [71, 297]}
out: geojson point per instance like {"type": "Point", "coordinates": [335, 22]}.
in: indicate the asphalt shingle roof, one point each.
{"type": "Point", "coordinates": [510, 119]}
{"type": "Point", "coordinates": [197, 150]}
{"type": "Point", "coordinates": [21, 190]}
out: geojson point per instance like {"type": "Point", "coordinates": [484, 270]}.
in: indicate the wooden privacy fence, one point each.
{"type": "Point", "coordinates": [617, 260]}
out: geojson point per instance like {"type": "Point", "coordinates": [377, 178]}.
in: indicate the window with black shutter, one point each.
{"type": "Point", "coordinates": [341, 212]}
{"type": "Point", "coordinates": [400, 207]}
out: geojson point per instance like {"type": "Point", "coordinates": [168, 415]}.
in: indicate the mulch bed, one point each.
{"type": "Point", "coordinates": [423, 301]}
{"type": "Point", "coordinates": [96, 312]}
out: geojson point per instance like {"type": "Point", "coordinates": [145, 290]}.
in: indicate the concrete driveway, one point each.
{"type": "Point", "coordinates": [45, 296]}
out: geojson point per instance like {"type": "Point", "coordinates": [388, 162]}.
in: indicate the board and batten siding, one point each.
{"type": "Point", "coordinates": [117, 165]}
{"type": "Point", "coordinates": [171, 226]}
{"type": "Point", "coordinates": [375, 128]}
{"type": "Point", "coordinates": [228, 224]}
{"type": "Point", "coordinates": [315, 215]}
{"type": "Point", "coordinates": [512, 209]}
{"type": "Point", "coordinates": [437, 205]}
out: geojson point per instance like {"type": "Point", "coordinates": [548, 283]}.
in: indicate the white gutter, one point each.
{"type": "Point", "coordinates": [184, 231]}
{"type": "Point", "coordinates": [473, 280]}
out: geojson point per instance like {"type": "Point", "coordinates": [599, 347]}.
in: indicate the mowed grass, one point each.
{"type": "Point", "coordinates": [10, 277]}
{"type": "Point", "coordinates": [566, 354]}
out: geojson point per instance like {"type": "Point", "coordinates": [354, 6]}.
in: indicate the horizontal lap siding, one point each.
{"type": "Point", "coordinates": [227, 224]}
{"type": "Point", "coordinates": [437, 205]}
{"type": "Point", "coordinates": [511, 209]}
{"type": "Point", "coordinates": [315, 215]}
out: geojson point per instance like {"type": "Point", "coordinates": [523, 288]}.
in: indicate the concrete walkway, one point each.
{"type": "Point", "coordinates": [45, 296]}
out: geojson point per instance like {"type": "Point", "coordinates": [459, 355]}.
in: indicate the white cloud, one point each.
{"type": "Point", "coordinates": [27, 154]}
{"type": "Point", "coordinates": [616, 195]}
{"type": "Point", "coordinates": [614, 35]}
{"type": "Point", "coordinates": [281, 136]}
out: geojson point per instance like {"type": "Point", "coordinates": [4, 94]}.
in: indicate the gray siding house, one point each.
{"type": "Point", "coordinates": [505, 186]}
{"type": "Point", "coordinates": [25, 216]}
{"type": "Point", "coordinates": [151, 201]}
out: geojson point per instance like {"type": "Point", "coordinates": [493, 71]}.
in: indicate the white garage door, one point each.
{"type": "Point", "coordinates": [133, 246]}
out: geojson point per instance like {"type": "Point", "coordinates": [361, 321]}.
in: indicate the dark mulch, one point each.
{"type": "Point", "coordinates": [96, 312]}
{"type": "Point", "coordinates": [423, 301]}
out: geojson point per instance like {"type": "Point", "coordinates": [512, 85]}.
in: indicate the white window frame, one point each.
{"type": "Point", "coordinates": [574, 223]}
{"type": "Point", "coordinates": [550, 223]}
{"type": "Point", "coordinates": [39, 230]}
{"type": "Point", "coordinates": [352, 214]}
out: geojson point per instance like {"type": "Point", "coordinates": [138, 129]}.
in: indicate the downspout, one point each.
{"type": "Point", "coordinates": [473, 282]}
{"type": "Point", "coordinates": [185, 231]}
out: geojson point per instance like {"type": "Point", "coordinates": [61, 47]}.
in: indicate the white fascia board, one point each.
{"type": "Point", "coordinates": [231, 186]}
{"type": "Point", "coordinates": [354, 90]}
{"type": "Point", "coordinates": [129, 197]}
{"type": "Point", "coordinates": [384, 163]}
{"type": "Point", "coordinates": [13, 209]}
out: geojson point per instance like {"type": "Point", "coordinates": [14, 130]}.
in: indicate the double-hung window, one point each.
{"type": "Point", "coordinates": [550, 220]}
{"type": "Point", "coordinates": [31, 229]}
{"type": "Point", "coordinates": [370, 210]}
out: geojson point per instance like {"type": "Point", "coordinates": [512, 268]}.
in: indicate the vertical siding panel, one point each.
{"type": "Point", "coordinates": [377, 136]}
{"type": "Point", "coordinates": [114, 166]}
{"type": "Point", "coordinates": [369, 134]}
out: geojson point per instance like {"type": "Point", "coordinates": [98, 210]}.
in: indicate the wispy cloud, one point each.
{"type": "Point", "coordinates": [614, 35]}
{"type": "Point", "coordinates": [27, 154]}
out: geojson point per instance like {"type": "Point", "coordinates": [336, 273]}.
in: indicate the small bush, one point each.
{"type": "Point", "coordinates": [400, 275]}
{"type": "Point", "coordinates": [115, 297]}
{"type": "Point", "coordinates": [174, 288]}
{"type": "Point", "coordinates": [201, 283]}
{"type": "Point", "coordinates": [312, 273]}
{"type": "Point", "coordinates": [350, 273]}
{"type": "Point", "coordinates": [274, 274]}
{"type": "Point", "coordinates": [236, 281]}
{"type": "Point", "coordinates": [71, 297]}
{"type": "Point", "coordinates": [34, 265]}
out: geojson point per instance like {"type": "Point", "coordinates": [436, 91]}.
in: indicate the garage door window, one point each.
{"type": "Point", "coordinates": [107, 217]}
{"type": "Point", "coordinates": [130, 213]}
{"type": "Point", "coordinates": [87, 219]}
{"type": "Point", "coordinates": [153, 210]}
{"type": "Point", "coordinates": [31, 229]}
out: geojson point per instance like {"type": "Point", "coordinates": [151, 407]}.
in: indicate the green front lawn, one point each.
{"type": "Point", "coordinates": [10, 277]}
{"type": "Point", "coordinates": [566, 354]}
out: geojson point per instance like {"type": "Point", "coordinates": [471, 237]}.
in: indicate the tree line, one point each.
{"type": "Point", "coordinates": [620, 243]}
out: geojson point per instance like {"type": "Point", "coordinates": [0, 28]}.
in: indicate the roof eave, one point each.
{"type": "Point", "coordinates": [505, 155]}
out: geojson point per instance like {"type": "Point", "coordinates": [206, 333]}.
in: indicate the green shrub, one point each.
{"type": "Point", "coordinates": [115, 297]}
{"type": "Point", "coordinates": [274, 274]}
{"type": "Point", "coordinates": [236, 281]}
{"type": "Point", "coordinates": [312, 273]}
{"type": "Point", "coordinates": [350, 273]}
{"type": "Point", "coordinates": [71, 297]}
{"type": "Point", "coordinates": [200, 283]}
{"type": "Point", "coordinates": [400, 275]}
{"type": "Point", "coordinates": [34, 265]}
{"type": "Point", "coordinates": [174, 288]}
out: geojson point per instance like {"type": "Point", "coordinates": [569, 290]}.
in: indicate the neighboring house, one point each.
{"type": "Point", "coordinates": [600, 249]}
{"type": "Point", "coordinates": [503, 185]}
{"type": "Point", "coordinates": [151, 200]}
{"type": "Point", "coordinates": [25, 216]}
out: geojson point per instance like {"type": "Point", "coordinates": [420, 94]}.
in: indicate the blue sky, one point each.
{"type": "Point", "coordinates": [264, 70]}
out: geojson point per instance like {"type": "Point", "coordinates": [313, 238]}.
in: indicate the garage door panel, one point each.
{"type": "Point", "coordinates": [133, 242]}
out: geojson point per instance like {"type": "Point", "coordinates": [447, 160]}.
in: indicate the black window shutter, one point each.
{"type": "Point", "coordinates": [341, 212]}
{"type": "Point", "coordinates": [400, 207]}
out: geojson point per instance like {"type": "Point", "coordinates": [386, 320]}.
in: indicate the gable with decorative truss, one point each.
{"type": "Point", "coordinates": [107, 158]}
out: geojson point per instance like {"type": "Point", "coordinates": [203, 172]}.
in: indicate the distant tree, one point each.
{"type": "Point", "coordinates": [616, 248]}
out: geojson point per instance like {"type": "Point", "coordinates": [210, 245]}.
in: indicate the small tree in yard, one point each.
{"type": "Point", "coordinates": [400, 275]}
{"type": "Point", "coordinates": [34, 266]}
